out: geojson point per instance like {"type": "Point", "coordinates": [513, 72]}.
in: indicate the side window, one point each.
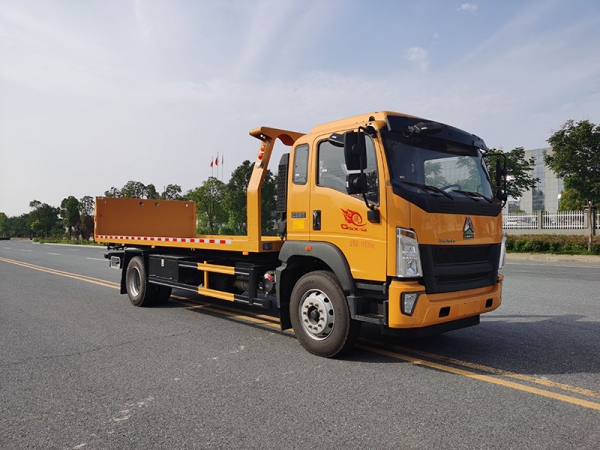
{"type": "Point", "coordinates": [300, 164]}
{"type": "Point", "coordinates": [332, 169]}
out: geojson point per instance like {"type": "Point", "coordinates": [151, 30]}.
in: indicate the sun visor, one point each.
{"type": "Point", "coordinates": [411, 126]}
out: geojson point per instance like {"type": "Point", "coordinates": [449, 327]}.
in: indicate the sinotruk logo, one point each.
{"type": "Point", "coordinates": [468, 229]}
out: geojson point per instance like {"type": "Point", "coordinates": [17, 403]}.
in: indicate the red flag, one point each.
{"type": "Point", "coordinates": [211, 163]}
{"type": "Point", "coordinates": [217, 161]}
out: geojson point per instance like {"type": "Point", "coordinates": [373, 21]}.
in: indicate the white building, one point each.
{"type": "Point", "coordinates": [546, 195]}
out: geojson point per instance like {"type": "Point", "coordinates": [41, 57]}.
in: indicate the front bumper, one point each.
{"type": "Point", "coordinates": [434, 309]}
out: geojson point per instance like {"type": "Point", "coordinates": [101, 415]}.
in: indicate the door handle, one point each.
{"type": "Point", "coordinates": [317, 220]}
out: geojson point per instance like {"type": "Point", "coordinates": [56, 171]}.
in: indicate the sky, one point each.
{"type": "Point", "coordinates": [99, 92]}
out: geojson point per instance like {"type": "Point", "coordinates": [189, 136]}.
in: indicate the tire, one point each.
{"type": "Point", "coordinates": [139, 291]}
{"type": "Point", "coordinates": [320, 315]}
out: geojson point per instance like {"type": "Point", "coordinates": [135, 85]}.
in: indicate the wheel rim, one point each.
{"type": "Point", "coordinates": [134, 281]}
{"type": "Point", "coordinates": [316, 315]}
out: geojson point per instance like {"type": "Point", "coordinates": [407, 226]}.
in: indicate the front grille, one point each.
{"type": "Point", "coordinates": [461, 278]}
{"type": "Point", "coordinates": [459, 267]}
{"type": "Point", "coordinates": [460, 255]}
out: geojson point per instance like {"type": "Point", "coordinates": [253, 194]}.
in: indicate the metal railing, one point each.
{"type": "Point", "coordinates": [569, 220]}
{"type": "Point", "coordinates": [519, 220]}
{"type": "Point", "coordinates": [561, 220]}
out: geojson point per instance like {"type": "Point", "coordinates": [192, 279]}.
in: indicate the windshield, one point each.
{"type": "Point", "coordinates": [423, 165]}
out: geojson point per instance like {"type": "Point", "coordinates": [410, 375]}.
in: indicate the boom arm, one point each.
{"type": "Point", "coordinates": [268, 136]}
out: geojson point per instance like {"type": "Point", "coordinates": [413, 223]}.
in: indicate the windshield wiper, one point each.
{"type": "Point", "coordinates": [426, 187]}
{"type": "Point", "coordinates": [473, 195]}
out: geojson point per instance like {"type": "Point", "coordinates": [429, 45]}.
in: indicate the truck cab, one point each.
{"type": "Point", "coordinates": [402, 211]}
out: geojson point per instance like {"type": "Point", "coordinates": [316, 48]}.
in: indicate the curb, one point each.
{"type": "Point", "coordinates": [548, 257]}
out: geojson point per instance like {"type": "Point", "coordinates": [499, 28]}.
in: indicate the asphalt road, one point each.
{"type": "Point", "coordinates": [82, 368]}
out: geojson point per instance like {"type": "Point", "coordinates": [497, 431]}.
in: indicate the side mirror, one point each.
{"type": "Point", "coordinates": [356, 183]}
{"type": "Point", "coordinates": [501, 174]}
{"type": "Point", "coordinates": [355, 150]}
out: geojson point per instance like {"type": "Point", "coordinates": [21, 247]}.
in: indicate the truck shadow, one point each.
{"type": "Point", "coordinates": [527, 344]}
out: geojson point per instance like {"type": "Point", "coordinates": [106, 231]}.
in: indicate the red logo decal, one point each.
{"type": "Point", "coordinates": [353, 217]}
{"type": "Point", "coordinates": [354, 221]}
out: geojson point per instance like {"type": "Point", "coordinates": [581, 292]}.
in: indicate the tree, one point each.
{"type": "Point", "coordinates": [520, 178]}
{"type": "Point", "coordinates": [4, 225]}
{"type": "Point", "coordinates": [172, 192]}
{"type": "Point", "coordinates": [575, 157]}
{"type": "Point", "coordinates": [235, 199]}
{"type": "Point", "coordinates": [236, 204]}
{"type": "Point", "coordinates": [70, 213]}
{"type": "Point", "coordinates": [86, 206]}
{"type": "Point", "coordinates": [150, 192]}
{"type": "Point", "coordinates": [137, 189]}
{"type": "Point", "coordinates": [134, 189]}
{"type": "Point", "coordinates": [209, 205]}
{"type": "Point", "coordinates": [113, 192]}
{"type": "Point", "coordinates": [86, 212]}
{"type": "Point", "coordinates": [570, 200]}
{"type": "Point", "coordinates": [44, 218]}
{"type": "Point", "coordinates": [18, 226]}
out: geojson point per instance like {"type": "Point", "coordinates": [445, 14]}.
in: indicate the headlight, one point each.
{"type": "Point", "coordinates": [502, 253]}
{"type": "Point", "coordinates": [408, 259]}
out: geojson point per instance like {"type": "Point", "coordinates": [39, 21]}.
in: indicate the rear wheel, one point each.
{"type": "Point", "coordinates": [320, 315]}
{"type": "Point", "coordinates": [139, 291]}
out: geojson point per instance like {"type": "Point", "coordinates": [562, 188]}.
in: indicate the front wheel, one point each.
{"type": "Point", "coordinates": [320, 315]}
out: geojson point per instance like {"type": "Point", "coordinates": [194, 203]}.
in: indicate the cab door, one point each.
{"type": "Point", "coordinates": [342, 219]}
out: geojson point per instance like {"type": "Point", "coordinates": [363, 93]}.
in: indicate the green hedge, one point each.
{"type": "Point", "coordinates": [551, 243]}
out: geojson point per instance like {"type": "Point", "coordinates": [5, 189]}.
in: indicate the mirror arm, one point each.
{"type": "Point", "coordinates": [373, 214]}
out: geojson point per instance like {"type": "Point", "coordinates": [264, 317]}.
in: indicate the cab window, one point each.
{"type": "Point", "coordinates": [332, 172]}
{"type": "Point", "coordinates": [300, 164]}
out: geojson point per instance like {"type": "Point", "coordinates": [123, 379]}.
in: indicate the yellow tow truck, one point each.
{"type": "Point", "coordinates": [383, 218]}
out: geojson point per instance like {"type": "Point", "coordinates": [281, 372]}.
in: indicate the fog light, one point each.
{"type": "Point", "coordinates": [408, 303]}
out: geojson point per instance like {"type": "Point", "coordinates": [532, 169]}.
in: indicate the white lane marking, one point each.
{"type": "Point", "coordinates": [97, 259]}
{"type": "Point", "coordinates": [25, 250]}
{"type": "Point", "coordinates": [55, 254]}
{"type": "Point", "coordinates": [7, 248]}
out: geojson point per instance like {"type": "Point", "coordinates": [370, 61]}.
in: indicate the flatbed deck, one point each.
{"type": "Point", "coordinates": [166, 223]}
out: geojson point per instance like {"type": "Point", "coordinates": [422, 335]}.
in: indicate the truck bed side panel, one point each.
{"type": "Point", "coordinates": [143, 217]}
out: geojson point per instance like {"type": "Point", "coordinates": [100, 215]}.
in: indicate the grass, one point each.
{"type": "Point", "coordinates": [66, 241]}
